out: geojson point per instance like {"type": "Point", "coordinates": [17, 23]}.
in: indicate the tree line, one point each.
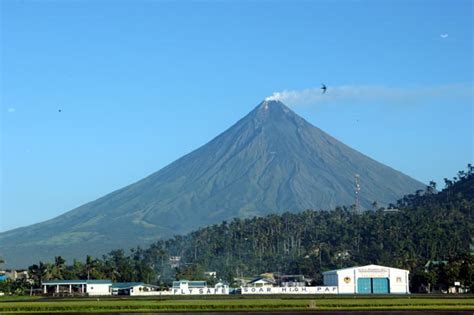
{"type": "Point", "coordinates": [428, 232]}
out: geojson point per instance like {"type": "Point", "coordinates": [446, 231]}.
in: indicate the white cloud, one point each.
{"type": "Point", "coordinates": [367, 94]}
{"type": "Point", "coordinates": [11, 110]}
{"type": "Point", "coordinates": [444, 35]}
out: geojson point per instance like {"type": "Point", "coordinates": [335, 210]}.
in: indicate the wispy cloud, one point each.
{"type": "Point", "coordinates": [11, 109]}
{"type": "Point", "coordinates": [369, 94]}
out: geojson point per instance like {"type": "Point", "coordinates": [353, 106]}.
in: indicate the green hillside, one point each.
{"type": "Point", "coordinates": [427, 226]}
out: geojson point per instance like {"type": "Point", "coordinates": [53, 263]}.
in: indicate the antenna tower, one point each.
{"type": "Point", "coordinates": [357, 191]}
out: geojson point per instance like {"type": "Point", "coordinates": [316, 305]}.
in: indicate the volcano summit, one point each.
{"type": "Point", "coordinates": [270, 161]}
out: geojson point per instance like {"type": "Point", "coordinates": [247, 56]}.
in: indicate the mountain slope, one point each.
{"type": "Point", "coordinates": [272, 160]}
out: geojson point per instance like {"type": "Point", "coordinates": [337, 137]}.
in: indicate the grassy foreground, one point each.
{"type": "Point", "coordinates": [232, 304]}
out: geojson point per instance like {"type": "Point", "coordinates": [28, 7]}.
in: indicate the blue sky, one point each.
{"type": "Point", "coordinates": [140, 83]}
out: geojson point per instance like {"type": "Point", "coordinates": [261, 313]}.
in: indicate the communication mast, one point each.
{"type": "Point", "coordinates": [357, 191]}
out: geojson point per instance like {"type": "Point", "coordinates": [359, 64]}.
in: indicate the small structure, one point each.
{"type": "Point", "coordinates": [210, 274]}
{"type": "Point", "coordinates": [242, 281]}
{"type": "Point", "coordinates": [175, 261]}
{"type": "Point", "coordinates": [291, 281]}
{"type": "Point", "coordinates": [435, 263]}
{"type": "Point", "coordinates": [185, 284]}
{"type": "Point", "coordinates": [261, 282]}
{"type": "Point", "coordinates": [70, 287]}
{"type": "Point", "coordinates": [370, 279]}
{"type": "Point", "coordinates": [133, 288]}
{"type": "Point", "coordinates": [221, 285]}
{"type": "Point", "coordinates": [458, 288]}
{"type": "Point", "coordinates": [14, 274]}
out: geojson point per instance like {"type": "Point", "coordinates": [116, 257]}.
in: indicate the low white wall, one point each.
{"type": "Point", "coordinates": [204, 291]}
{"type": "Point", "coordinates": [291, 290]}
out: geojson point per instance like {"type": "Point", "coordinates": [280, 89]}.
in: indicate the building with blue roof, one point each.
{"type": "Point", "coordinates": [96, 287]}
{"type": "Point", "coordinates": [70, 287]}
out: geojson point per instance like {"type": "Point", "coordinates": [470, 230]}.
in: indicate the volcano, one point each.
{"type": "Point", "coordinates": [270, 161]}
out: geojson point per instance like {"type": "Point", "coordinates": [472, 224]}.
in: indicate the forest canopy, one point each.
{"type": "Point", "coordinates": [428, 232]}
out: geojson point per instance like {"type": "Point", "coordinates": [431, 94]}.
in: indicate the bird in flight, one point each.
{"type": "Point", "coordinates": [324, 88]}
{"type": "Point", "coordinates": [60, 110]}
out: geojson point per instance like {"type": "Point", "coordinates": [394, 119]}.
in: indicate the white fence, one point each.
{"type": "Point", "coordinates": [203, 291]}
{"type": "Point", "coordinates": [244, 290]}
{"type": "Point", "coordinates": [290, 290]}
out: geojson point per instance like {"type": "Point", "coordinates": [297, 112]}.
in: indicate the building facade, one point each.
{"type": "Point", "coordinates": [370, 279]}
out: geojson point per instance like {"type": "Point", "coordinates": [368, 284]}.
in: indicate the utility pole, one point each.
{"type": "Point", "coordinates": [357, 209]}
{"type": "Point", "coordinates": [357, 192]}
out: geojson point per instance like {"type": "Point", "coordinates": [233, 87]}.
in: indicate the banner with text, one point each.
{"type": "Point", "coordinates": [290, 290]}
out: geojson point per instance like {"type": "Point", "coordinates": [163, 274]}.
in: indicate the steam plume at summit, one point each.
{"type": "Point", "coordinates": [372, 94]}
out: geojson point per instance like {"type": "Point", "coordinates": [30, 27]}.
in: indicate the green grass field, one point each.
{"type": "Point", "coordinates": [35, 304]}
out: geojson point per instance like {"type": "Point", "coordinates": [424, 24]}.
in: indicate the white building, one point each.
{"type": "Point", "coordinates": [175, 261]}
{"type": "Point", "coordinates": [89, 287]}
{"type": "Point", "coordinates": [13, 274]}
{"type": "Point", "coordinates": [210, 274]}
{"type": "Point", "coordinates": [370, 279]}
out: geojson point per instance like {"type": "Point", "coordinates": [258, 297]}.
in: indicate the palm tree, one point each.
{"type": "Point", "coordinates": [375, 205]}
{"type": "Point", "coordinates": [33, 272]}
{"type": "Point", "coordinates": [90, 266]}
{"type": "Point", "coordinates": [44, 271]}
{"type": "Point", "coordinates": [431, 188]}
{"type": "Point", "coordinates": [110, 271]}
{"type": "Point", "coordinates": [59, 267]}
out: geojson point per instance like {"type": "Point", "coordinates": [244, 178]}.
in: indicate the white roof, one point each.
{"type": "Point", "coordinates": [262, 280]}
{"type": "Point", "coordinates": [357, 267]}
